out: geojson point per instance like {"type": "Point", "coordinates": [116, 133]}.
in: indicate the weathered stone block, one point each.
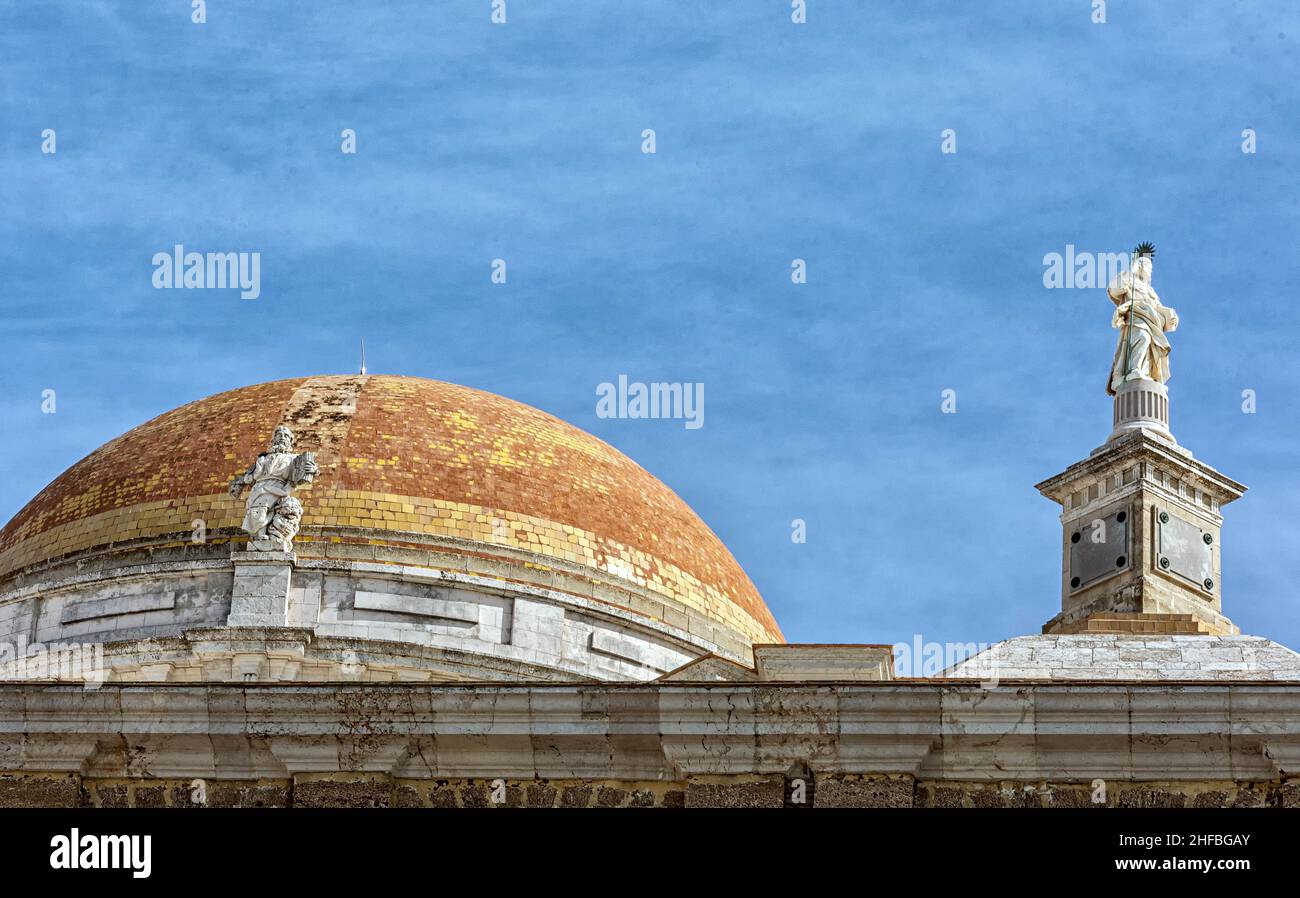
{"type": "Point", "coordinates": [1150, 797]}
{"type": "Point", "coordinates": [607, 797]}
{"type": "Point", "coordinates": [40, 791]}
{"type": "Point", "coordinates": [576, 796]}
{"type": "Point", "coordinates": [260, 794]}
{"type": "Point", "coordinates": [336, 792]}
{"type": "Point", "coordinates": [863, 791]}
{"type": "Point", "coordinates": [540, 795]}
{"type": "Point", "coordinates": [736, 792]}
{"type": "Point", "coordinates": [1285, 795]}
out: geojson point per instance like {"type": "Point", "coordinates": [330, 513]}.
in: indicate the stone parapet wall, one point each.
{"type": "Point", "coordinates": [722, 744]}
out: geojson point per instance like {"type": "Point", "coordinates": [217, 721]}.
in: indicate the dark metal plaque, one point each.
{"type": "Point", "coordinates": [1098, 547]}
{"type": "Point", "coordinates": [1183, 549]}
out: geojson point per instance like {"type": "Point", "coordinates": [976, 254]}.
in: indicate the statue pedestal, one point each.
{"type": "Point", "coordinates": [1141, 405]}
{"type": "Point", "coordinates": [1141, 521]}
{"type": "Point", "coordinates": [260, 597]}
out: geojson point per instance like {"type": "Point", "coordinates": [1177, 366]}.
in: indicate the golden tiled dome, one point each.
{"type": "Point", "coordinates": [401, 459]}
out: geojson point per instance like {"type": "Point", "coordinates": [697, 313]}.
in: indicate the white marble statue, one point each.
{"type": "Point", "coordinates": [1143, 349]}
{"type": "Point", "coordinates": [272, 515]}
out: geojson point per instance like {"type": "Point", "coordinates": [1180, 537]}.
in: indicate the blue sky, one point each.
{"type": "Point", "coordinates": [775, 141]}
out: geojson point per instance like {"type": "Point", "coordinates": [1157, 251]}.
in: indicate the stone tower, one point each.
{"type": "Point", "coordinates": [1141, 517]}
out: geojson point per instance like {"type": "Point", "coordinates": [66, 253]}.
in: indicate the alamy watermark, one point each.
{"type": "Point", "coordinates": [102, 852]}
{"type": "Point", "coordinates": [179, 270]}
{"type": "Point", "coordinates": [634, 399]}
{"type": "Point", "coordinates": [919, 658]}
{"type": "Point", "coordinates": [77, 662]}
{"type": "Point", "coordinates": [1075, 269]}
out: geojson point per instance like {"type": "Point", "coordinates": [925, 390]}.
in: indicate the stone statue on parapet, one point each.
{"type": "Point", "coordinates": [272, 515]}
{"type": "Point", "coordinates": [1143, 349]}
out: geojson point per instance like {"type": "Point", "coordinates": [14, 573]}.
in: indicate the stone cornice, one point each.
{"type": "Point", "coordinates": [1140, 446]}
{"type": "Point", "coordinates": [938, 730]}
